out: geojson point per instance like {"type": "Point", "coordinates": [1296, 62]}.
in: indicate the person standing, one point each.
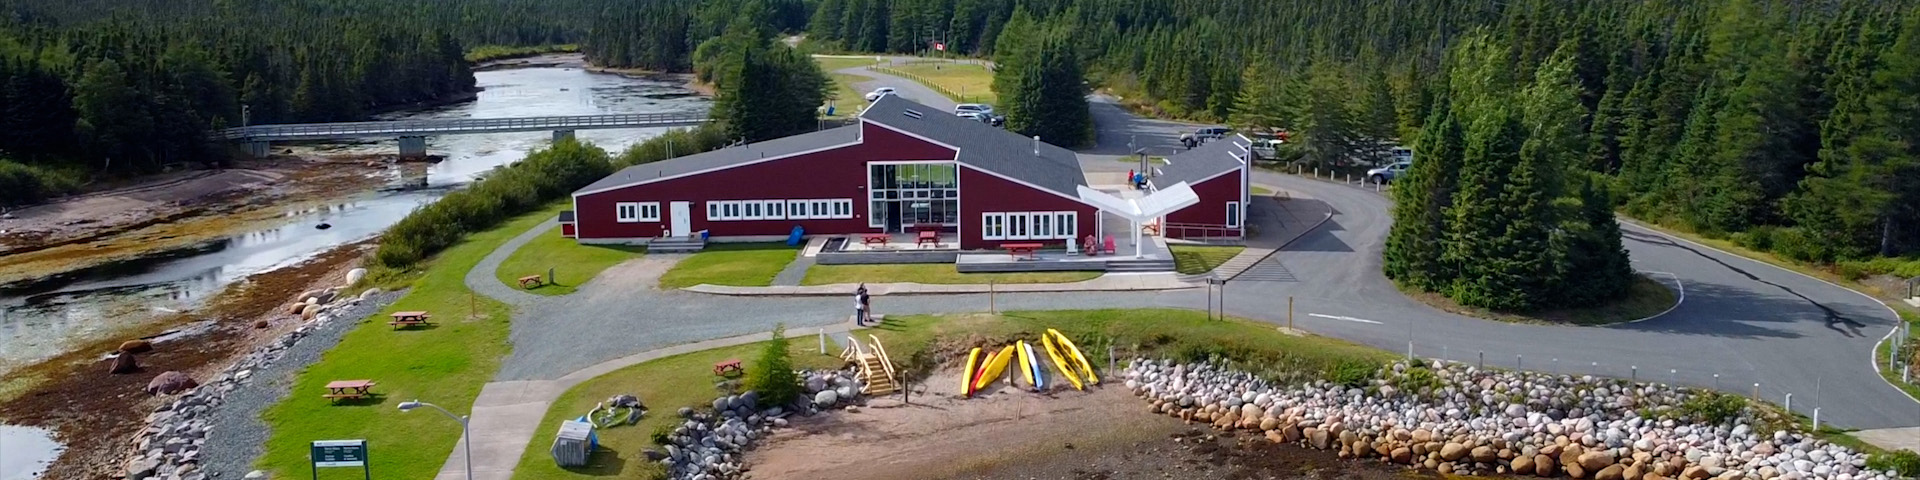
{"type": "Point", "coordinates": [1129, 178]}
{"type": "Point", "coordinates": [860, 306]}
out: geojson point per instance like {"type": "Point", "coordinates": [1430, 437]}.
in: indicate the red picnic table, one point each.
{"type": "Point", "coordinates": [348, 389]}
{"type": "Point", "coordinates": [408, 319]}
{"type": "Point", "coordinates": [1030, 250]}
{"type": "Point", "coordinates": [928, 237]}
{"type": "Point", "coordinates": [730, 366]}
{"type": "Point", "coordinates": [875, 238]}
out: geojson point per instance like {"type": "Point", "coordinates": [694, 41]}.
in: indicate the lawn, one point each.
{"type": "Point", "coordinates": [1260, 191]}
{"type": "Point", "coordinates": [685, 380]}
{"type": "Point", "coordinates": [1880, 356]}
{"type": "Point", "coordinates": [846, 100]}
{"type": "Point", "coordinates": [967, 82]}
{"type": "Point", "coordinates": [734, 264]}
{"type": "Point", "coordinates": [445, 364]}
{"type": "Point", "coordinates": [1198, 259]}
{"type": "Point", "coordinates": [573, 263]}
{"type": "Point", "coordinates": [930, 273]}
{"type": "Point", "coordinates": [1647, 297]}
{"type": "Point", "coordinates": [829, 64]}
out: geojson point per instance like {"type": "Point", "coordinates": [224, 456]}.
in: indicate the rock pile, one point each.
{"type": "Point", "coordinates": [1459, 420]}
{"type": "Point", "coordinates": [708, 445]}
{"type": "Point", "coordinates": [169, 447]}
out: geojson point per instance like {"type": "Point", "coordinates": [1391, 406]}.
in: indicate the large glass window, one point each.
{"type": "Point", "coordinates": [907, 194]}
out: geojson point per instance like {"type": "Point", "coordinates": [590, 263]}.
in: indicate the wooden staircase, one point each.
{"type": "Point", "coordinates": [876, 370]}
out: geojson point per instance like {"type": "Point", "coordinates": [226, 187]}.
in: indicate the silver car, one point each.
{"type": "Point", "coordinates": [1389, 173]}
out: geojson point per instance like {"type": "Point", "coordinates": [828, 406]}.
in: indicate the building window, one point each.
{"type": "Point", "coordinates": [1017, 226]}
{"type": "Point", "coordinates": [750, 210]}
{"type": "Point", "coordinates": [1066, 224]}
{"type": "Point", "coordinates": [913, 193]}
{"type": "Point", "coordinates": [631, 212]}
{"type": "Point", "coordinates": [993, 226]}
{"type": "Point", "coordinates": [713, 211]}
{"type": "Point", "coordinates": [818, 209]}
{"type": "Point", "coordinates": [1233, 214]}
{"type": "Point", "coordinates": [1042, 225]}
{"type": "Point", "coordinates": [797, 210]}
{"type": "Point", "coordinates": [843, 208]}
{"type": "Point", "coordinates": [776, 209]}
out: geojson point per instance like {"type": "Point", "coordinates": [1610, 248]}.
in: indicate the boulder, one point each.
{"type": "Point", "coordinates": [136, 346]}
{"type": "Point", "coordinates": [1695, 472]}
{"type": "Point", "coordinates": [309, 311]}
{"type": "Point", "coordinates": [1291, 433]}
{"type": "Point", "coordinates": [142, 468]}
{"type": "Point", "coordinates": [1611, 472]}
{"type": "Point", "coordinates": [1484, 454]}
{"type": "Point", "coordinates": [1633, 472]}
{"type": "Point", "coordinates": [1275, 436]}
{"type": "Point", "coordinates": [256, 474]}
{"type": "Point", "coordinates": [355, 275]}
{"type": "Point", "coordinates": [1543, 465]}
{"type": "Point", "coordinates": [123, 363]}
{"type": "Point", "coordinates": [1595, 461]}
{"type": "Point", "coordinates": [1269, 423]}
{"type": "Point", "coordinates": [309, 296]}
{"type": "Point", "coordinates": [1522, 465]}
{"type": "Point", "coordinates": [1402, 455]}
{"type": "Point", "coordinates": [369, 293]}
{"type": "Point", "coordinates": [1574, 470]}
{"type": "Point", "coordinates": [1452, 452]}
{"type": "Point", "coordinates": [168, 383]}
{"type": "Point", "coordinates": [259, 324]}
{"type": "Point", "coordinates": [826, 398]}
{"type": "Point", "coordinates": [1320, 439]}
{"type": "Point", "coordinates": [296, 308]}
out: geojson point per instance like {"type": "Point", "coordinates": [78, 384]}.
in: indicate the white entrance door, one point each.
{"type": "Point", "coordinates": [682, 218]}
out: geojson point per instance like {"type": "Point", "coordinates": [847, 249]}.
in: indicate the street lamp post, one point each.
{"type": "Point", "coordinates": [465, 431]}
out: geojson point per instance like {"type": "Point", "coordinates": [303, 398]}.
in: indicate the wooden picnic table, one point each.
{"type": "Point", "coordinates": [348, 389]}
{"type": "Point", "coordinates": [873, 238]}
{"type": "Point", "coordinates": [531, 281]}
{"type": "Point", "coordinates": [1030, 250]}
{"type": "Point", "coordinates": [725, 367]}
{"type": "Point", "coordinates": [928, 237]}
{"type": "Point", "coordinates": [408, 319]}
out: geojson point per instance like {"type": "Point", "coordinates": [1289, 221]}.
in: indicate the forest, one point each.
{"type": "Point", "coordinates": [1777, 124]}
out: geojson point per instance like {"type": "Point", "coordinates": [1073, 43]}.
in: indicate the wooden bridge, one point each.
{"type": "Point", "coordinates": [413, 133]}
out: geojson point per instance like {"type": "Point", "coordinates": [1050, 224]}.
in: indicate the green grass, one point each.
{"type": "Point", "coordinates": [829, 64]}
{"type": "Point", "coordinates": [734, 264]}
{"type": "Point", "coordinates": [847, 101]}
{"type": "Point", "coordinates": [1198, 259]}
{"type": "Point", "coordinates": [445, 364]}
{"type": "Point", "coordinates": [686, 380]}
{"type": "Point", "coordinates": [1880, 356]}
{"type": "Point", "coordinates": [573, 263]}
{"type": "Point", "coordinates": [967, 82]}
{"type": "Point", "coordinates": [930, 273]}
{"type": "Point", "coordinates": [664, 385]}
{"type": "Point", "coordinates": [1261, 191]}
{"type": "Point", "coordinates": [1647, 297]}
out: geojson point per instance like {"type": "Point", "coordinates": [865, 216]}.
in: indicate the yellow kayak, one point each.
{"type": "Point", "coordinates": [995, 366]}
{"type": "Point", "coordinates": [1073, 353]}
{"type": "Point", "coordinates": [1065, 371]}
{"type": "Point", "coordinates": [966, 374]}
{"type": "Point", "coordinates": [1026, 362]}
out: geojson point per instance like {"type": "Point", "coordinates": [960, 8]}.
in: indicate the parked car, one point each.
{"type": "Point", "coordinates": [875, 95]}
{"type": "Point", "coordinates": [975, 116]}
{"type": "Point", "coordinates": [1388, 173]}
{"type": "Point", "coordinates": [973, 107]}
{"type": "Point", "coordinates": [1212, 133]}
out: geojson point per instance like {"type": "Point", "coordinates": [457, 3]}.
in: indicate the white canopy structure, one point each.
{"type": "Point", "coordinates": [1140, 210]}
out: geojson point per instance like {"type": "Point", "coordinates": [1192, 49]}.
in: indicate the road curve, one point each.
{"type": "Point", "coordinates": [1745, 321]}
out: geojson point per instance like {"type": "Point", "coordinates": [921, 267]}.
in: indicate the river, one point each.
{"type": "Point", "coordinates": [36, 325]}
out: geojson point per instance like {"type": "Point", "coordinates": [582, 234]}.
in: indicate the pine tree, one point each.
{"type": "Point", "coordinates": [1478, 237]}
{"type": "Point", "coordinates": [1422, 200]}
{"type": "Point", "coordinates": [772, 376]}
{"type": "Point", "coordinates": [1259, 107]}
{"type": "Point", "coordinates": [1325, 126]}
{"type": "Point", "coordinates": [1050, 99]}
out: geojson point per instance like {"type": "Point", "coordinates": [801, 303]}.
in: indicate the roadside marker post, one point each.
{"type": "Point", "coordinates": [1635, 373]}
{"type": "Point", "coordinates": [1716, 381]}
{"type": "Point", "coordinates": [823, 340]}
{"type": "Point", "coordinates": [1756, 391]}
{"type": "Point", "coordinates": [990, 306]}
{"type": "Point", "coordinates": [1789, 403]}
{"type": "Point", "coordinates": [1483, 359]}
{"type": "Point", "coordinates": [1289, 312]}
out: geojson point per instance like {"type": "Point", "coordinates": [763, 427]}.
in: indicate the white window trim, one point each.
{"type": "Point", "coordinates": [636, 212]}
{"type": "Point", "coordinates": [1233, 214]}
{"type": "Point", "coordinates": [1017, 226]}
{"type": "Point", "coordinates": [843, 208]}
{"type": "Point", "coordinates": [774, 209]}
{"type": "Point", "coordinates": [750, 210]}
{"type": "Point", "coordinates": [797, 210]}
{"type": "Point", "coordinates": [1042, 225]}
{"type": "Point", "coordinates": [713, 210]}
{"type": "Point", "coordinates": [1066, 224]}
{"type": "Point", "coordinates": [993, 226]}
{"type": "Point", "coordinates": [820, 209]}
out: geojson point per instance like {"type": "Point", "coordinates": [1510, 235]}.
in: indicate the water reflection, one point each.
{"type": "Point", "coordinates": [41, 320]}
{"type": "Point", "coordinates": [25, 452]}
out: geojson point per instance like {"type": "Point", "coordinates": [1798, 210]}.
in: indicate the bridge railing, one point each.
{"type": "Point", "coordinates": [458, 125]}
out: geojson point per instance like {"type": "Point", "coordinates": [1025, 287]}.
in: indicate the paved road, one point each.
{"type": "Point", "coordinates": [908, 89]}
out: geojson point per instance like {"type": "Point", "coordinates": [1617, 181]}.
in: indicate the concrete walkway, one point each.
{"type": "Point", "coordinates": [507, 415]}
{"type": "Point", "coordinates": [1113, 282]}
{"type": "Point", "coordinates": [795, 271]}
{"type": "Point", "coordinates": [1892, 438]}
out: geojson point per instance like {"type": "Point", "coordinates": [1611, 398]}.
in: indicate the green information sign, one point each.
{"type": "Point", "coordinates": [340, 453]}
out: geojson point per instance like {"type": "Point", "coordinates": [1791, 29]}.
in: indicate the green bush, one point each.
{"type": "Point", "coordinates": [22, 184]}
{"type": "Point", "coordinates": [1795, 244]}
{"type": "Point", "coordinates": [773, 375]}
{"type": "Point", "coordinates": [1904, 462]}
{"type": "Point", "coordinates": [1713, 408]}
{"type": "Point", "coordinates": [1759, 239]}
{"type": "Point", "coordinates": [1351, 373]}
{"type": "Point", "coordinates": [511, 190]}
{"type": "Point", "coordinates": [674, 143]}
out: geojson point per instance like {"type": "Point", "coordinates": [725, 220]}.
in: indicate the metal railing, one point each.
{"type": "Point", "coordinates": [1205, 232]}
{"type": "Point", "coordinates": [318, 131]}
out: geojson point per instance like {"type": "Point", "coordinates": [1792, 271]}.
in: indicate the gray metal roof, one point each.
{"type": "Point", "coordinates": [566, 216]}
{"type": "Point", "coordinates": [1204, 161]}
{"type": "Point", "coordinates": [984, 146]}
{"type": "Point", "coordinates": [726, 157]}
{"type": "Point", "coordinates": [981, 146]}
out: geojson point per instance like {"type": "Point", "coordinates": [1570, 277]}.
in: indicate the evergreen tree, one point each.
{"type": "Point", "coordinates": [1422, 201]}
{"type": "Point", "coordinates": [1492, 235]}
{"type": "Point", "coordinates": [1049, 99]}
{"type": "Point", "coordinates": [772, 376]}
{"type": "Point", "coordinates": [1325, 126]}
{"type": "Point", "coordinates": [1259, 106]}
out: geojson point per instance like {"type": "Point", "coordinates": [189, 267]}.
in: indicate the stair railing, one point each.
{"type": "Point", "coordinates": [885, 362]}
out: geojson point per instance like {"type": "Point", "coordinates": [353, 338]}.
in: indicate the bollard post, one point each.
{"type": "Point", "coordinates": [1716, 381]}
{"type": "Point", "coordinates": [1789, 403]}
{"type": "Point", "coordinates": [1756, 391]}
{"type": "Point", "coordinates": [1816, 419]}
{"type": "Point", "coordinates": [1349, 178]}
{"type": "Point", "coordinates": [1673, 377]}
{"type": "Point", "coordinates": [1109, 358]}
{"type": "Point", "coordinates": [1906, 373]}
{"type": "Point", "coordinates": [1555, 367]}
{"type": "Point", "coordinates": [1483, 360]}
{"type": "Point", "coordinates": [1289, 312]}
{"type": "Point", "coordinates": [1443, 352]}
{"type": "Point", "coordinates": [1376, 187]}
{"type": "Point", "coordinates": [1635, 375]}
{"type": "Point", "coordinates": [1517, 363]}
{"type": "Point", "coordinates": [1316, 173]}
{"type": "Point", "coordinates": [1892, 356]}
{"type": "Point", "coordinates": [823, 340]}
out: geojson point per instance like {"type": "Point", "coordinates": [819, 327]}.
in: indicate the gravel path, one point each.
{"type": "Point", "coordinates": [239, 436]}
{"type": "Point", "coordinates": [794, 273]}
{"type": "Point", "coordinates": [481, 278]}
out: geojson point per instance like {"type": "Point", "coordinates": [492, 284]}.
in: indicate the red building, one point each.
{"type": "Point", "coordinates": [1219, 173]}
{"type": "Point", "coordinates": [903, 167]}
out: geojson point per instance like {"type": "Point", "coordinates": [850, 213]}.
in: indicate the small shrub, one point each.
{"type": "Point", "coordinates": [1713, 408]}
{"type": "Point", "coordinates": [1795, 244]}
{"type": "Point", "coordinates": [773, 375]}
{"type": "Point", "coordinates": [1351, 373]}
{"type": "Point", "coordinates": [663, 433]}
{"type": "Point", "coordinates": [1759, 239]}
{"type": "Point", "coordinates": [1904, 462]}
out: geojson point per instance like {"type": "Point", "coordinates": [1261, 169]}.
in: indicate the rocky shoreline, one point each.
{"type": "Point", "coordinates": [1457, 419]}
{"type": "Point", "coordinates": [709, 445]}
{"type": "Point", "coordinates": [213, 429]}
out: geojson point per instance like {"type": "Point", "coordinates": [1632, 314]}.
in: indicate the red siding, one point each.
{"type": "Point", "coordinates": [1212, 209]}
{"type": "Point", "coordinates": [566, 230]}
{"type": "Point", "coordinates": [832, 174]}
{"type": "Point", "coordinates": [983, 193]}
